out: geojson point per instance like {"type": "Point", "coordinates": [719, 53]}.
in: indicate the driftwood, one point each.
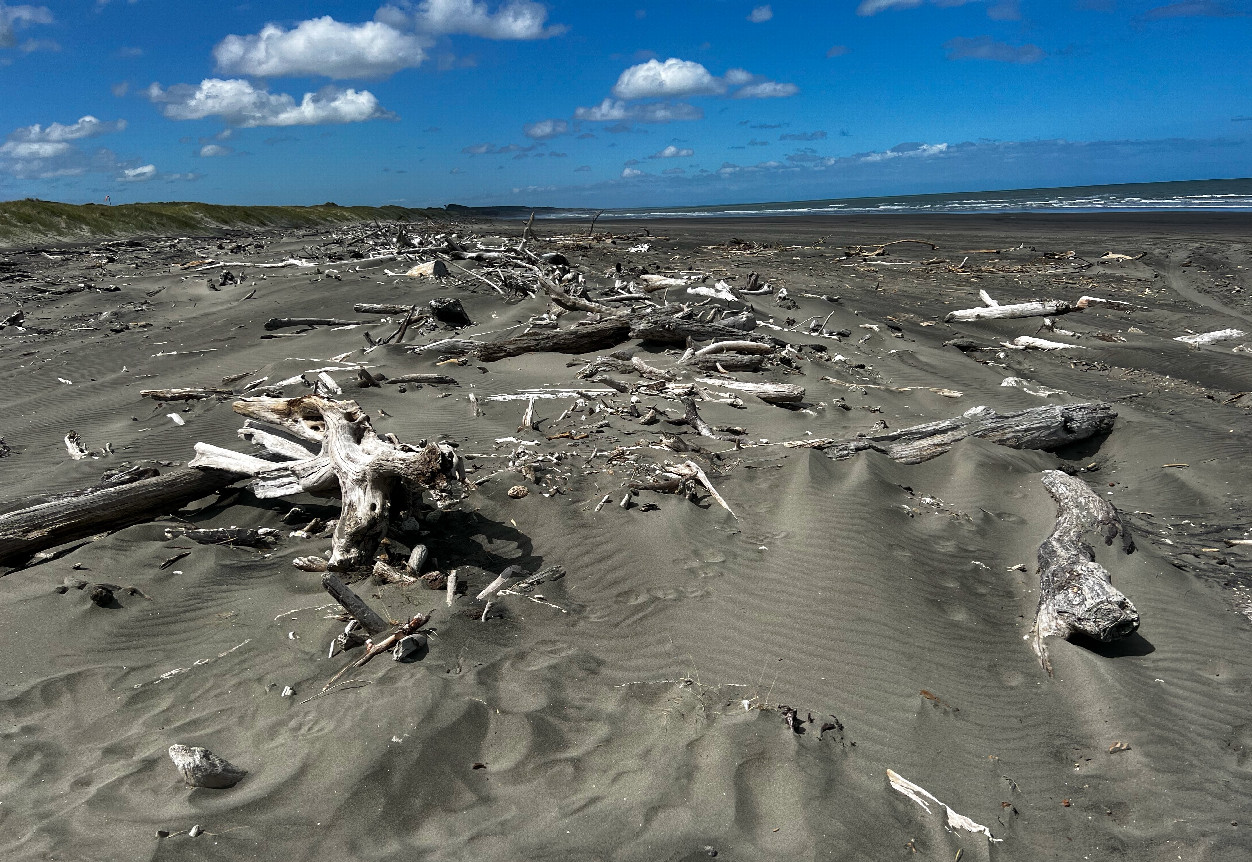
{"type": "Point", "coordinates": [182, 394]}
{"type": "Point", "coordinates": [1211, 337]}
{"type": "Point", "coordinates": [370, 620]}
{"type": "Point", "coordinates": [285, 322]}
{"type": "Point", "coordinates": [1046, 428]}
{"type": "Point", "coordinates": [381, 308]}
{"type": "Point", "coordinates": [670, 329]}
{"type": "Point", "coordinates": [434, 379]}
{"type": "Point", "coordinates": [770, 393]}
{"type": "Point", "coordinates": [1076, 594]}
{"type": "Point", "coordinates": [1021, 309]}
{"type": "Point", "coordinates": [352, 458]}
{"type": "Point", "coordinates": [47, 525]}
{"type": "Point", "coordinates": [578, 339]}
{"type": "Point", "coordinates": [243, 537]}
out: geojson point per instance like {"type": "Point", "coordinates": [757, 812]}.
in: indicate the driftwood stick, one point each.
{"type": "Point", "coordinates": [434, 379]}
{"type": "Point", "coordinates": [1076, 594]}
{"type": "Point", "coordinates": [770, 393]}
{"type": "Point", "coordinates": [182, 394]}
{"type": "Point", "coordinates": [1021, 309]}
{"type": "Point", "coordinates": [669, 329]}
{"type": "Point", "coordinates": [285, 322]}
{"type": "Point", "coordinates": [370, 620]}
{"type": "Point", "coordinates": [47, 525]}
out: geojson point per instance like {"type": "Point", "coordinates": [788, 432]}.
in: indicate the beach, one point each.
{"type": "Point", "coordinates": [695, 676]}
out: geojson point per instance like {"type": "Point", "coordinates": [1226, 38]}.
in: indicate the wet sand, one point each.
{"type": "Point", "coordinates": [634, 713]}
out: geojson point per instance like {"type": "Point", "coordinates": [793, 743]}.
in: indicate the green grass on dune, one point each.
{"type": "Point", "coordinates": [31, 220]}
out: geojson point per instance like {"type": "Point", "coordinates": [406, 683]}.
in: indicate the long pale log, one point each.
{"type": "Point", "coordinates": [1211, 337]}
{"type": "Point", "coordinates": [182, 394]}
{"type": "Point", "coordinates": [578, 339]}
{"type": "Point", "coordinates": [1076, 594]}
{"type": "Point", "coordinates": [36, 528]}
{"type": "Point", "coordinates": [770, 393]}
{"type": "Point", "coordinates": [1021, 309]}
{"type": "Point", "coordinates": [1047, 428]}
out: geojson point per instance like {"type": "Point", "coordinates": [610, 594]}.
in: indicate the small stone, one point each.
{"type": "Point", "coordinates": [162, 833]}
{"type": "Point", "coordinates": [288, 691]}
{"type": "Point", "coordinates": [408, 646]}
{"type": "Point", "coordinates": [517, 492]}
{"type": "Point", "coordinates": [202, 768]}
{"type": "Point", "coordinates": [102, 596]}
{"type": "Point", "coordinates": [195, 831]}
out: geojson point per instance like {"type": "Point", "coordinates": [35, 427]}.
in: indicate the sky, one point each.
{"type": "Point", "coordinates": [598, 103]}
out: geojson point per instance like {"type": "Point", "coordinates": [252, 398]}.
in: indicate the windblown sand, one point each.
{"type": "Point", "coordinates": [634, 714]}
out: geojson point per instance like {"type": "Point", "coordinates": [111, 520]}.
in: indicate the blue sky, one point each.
{"type": "Point", "coordinates": [603, 103]}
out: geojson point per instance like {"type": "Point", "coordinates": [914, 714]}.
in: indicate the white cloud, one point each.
{"type": "Point", "coordinates": [545, 129]}
{"type": "Point", "coordinates": [34, 150]}
{"type": "Point", "coordinates": [323, 47]}
{"type": "Point", "coordinates": [631, 173]}
{"type": "Point", "coordinates": [86, 127]}
{"type": "Point", "coordinates": [986, 48]}
{"type": "Point", "coordinates": [513, 20]}
{"type": "Point", "coordinates": [905, 151]}
{"type": "Point", "coordinates": [738, 77]}
{"type": "Point", "coordinates": [13, 18]}
{"type": "Point", "coordinates": [673, 78]}
{"type": "Point", "coordinates": [239, 103]}
{"type": "Point", "coordinates": [615, 111]}
{"type": "Point", "coordinates": [673, 152]}
{"type": "Point", "coordinates": [138, 175]}
{"type": "Point", "coordinates": [873, 7]}
{"type": "Point", "coordinates": [760, 14]}
{"type": "Point", "coordinates": [210, 150]}
{"type": "Point", "coordinates": [766, 90]}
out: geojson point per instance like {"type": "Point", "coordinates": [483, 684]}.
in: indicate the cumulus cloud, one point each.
{"type": "Point", "coordinates": [43, 152]}
{"type": "Point", "coordinates": [493, 150]}
{"type": "Point", "coordinates": [545, 129]}
{"type": "Point", "coordinates": [143, 173]}
{"type": "Point", "coordinates": [986, 48]}
{"type": "Point", "coordinates": [673, 78]}
{"type": "Point", "coordinates": [513, 20]}
{"type": "Point", "coordinates": [323, 47]}
{"type": "Point", "coordinates": [760, 14]}
{"type": "Point", "coordinates": [238, 103]}
{"type": "Point", "coordinates": [616, 111]}
{"type": "Point", "coordinates": [210, 150]}
{"type": "Point", "coordinates": [631, 173]}
{"type": "Point", "coordinates": [1002, 9]}
{"type": "Point", "coordinates": [14, 18]}
{"type": "Point", "coordinates": [86, 127]}
{"type": "Point", "coordinates": [673, 152]}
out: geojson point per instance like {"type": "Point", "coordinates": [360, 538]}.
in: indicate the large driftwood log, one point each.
{"type": "Point", "coordinates": [666, 328]}
{"type": "Point", "coordinates": [1045, 428]}
{"type": "Point", "coordinates": [770, 393]}
{"type": "Point", "coordinates": [577, 339]}
{"type": "Point", "coordinates": [36, 528]}
{"type": "Point", "coordinates": [1021, 309]}
{"type": "Point", "coordinates": [1076, 594]}
{"type": "Point", "coordinates": [365, 467]}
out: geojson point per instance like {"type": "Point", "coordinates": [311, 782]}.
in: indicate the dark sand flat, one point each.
{"type": "Point", "coordinates": [633, 713]}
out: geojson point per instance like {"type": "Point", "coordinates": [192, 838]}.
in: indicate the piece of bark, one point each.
{"type": "Point", "coordinates": [182, 394]}
{"type": "Point", "coordinates": [600, 335]}
{"type": "Point", "coordinates": [1047, 428]}
{"type": "Point", "coordinates": [370, 620]}
{"type": "Point", "coordinates": [1076, 594]}
{"type": "Point", "coordinates": [47, 525]}
{"type": "Point", "coordinates": [1021, 309]}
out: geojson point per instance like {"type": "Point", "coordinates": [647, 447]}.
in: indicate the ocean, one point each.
{"type": "Point", "coordinates": [1196, 195]}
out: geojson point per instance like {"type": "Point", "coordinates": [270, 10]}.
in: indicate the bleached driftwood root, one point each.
{"type": "Point", "coordinates": [1076, 594]}
{"type": "Point", "coordinates": [352, 459]}
{"type": "Point", "coordinates": [1045, 428]}
{"type": "Point", "coordinates": [924, 798]}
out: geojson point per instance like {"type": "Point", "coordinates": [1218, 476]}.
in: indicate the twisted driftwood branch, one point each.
{"type": "Point", "coordinates": [1076, 594]}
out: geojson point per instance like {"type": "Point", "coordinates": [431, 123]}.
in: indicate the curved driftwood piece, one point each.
{"type": "Point", "coordinates": [589, 337]}
{"type": "Point", "coordinates": [1076, 594]}
{"type": "Point", "coordinates": [365, 467]}
{"type": "Point", "coordinates": [47, 525]}
{"type": "Point", "coordinates": [1045, 428]}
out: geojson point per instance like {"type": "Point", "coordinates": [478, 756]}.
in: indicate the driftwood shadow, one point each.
{"type": "Point", "coordinates": [1132, 645]}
